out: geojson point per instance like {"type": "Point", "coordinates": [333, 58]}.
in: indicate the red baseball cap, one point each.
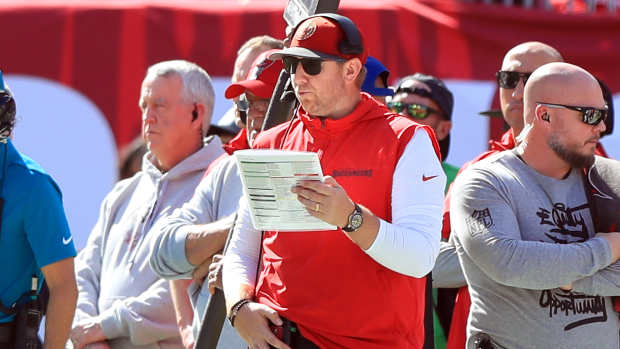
{"type": "Point", "coordinates": [261, 79]}
{"type": "Point", "coordinates": [318, 37]}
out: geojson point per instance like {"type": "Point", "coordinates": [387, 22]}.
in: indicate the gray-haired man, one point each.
{"type": "Point", "coordinates": [122, 303]}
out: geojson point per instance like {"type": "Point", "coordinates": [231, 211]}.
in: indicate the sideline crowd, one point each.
{"type": "Point", "coordinates": [518, 248]}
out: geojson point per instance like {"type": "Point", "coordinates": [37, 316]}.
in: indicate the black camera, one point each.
{"type": "Point", "coordinates": [27, 322]}
{"type": "Point", "coordinates": [482, 341]}
{"type": "Point", "coordinates": [29, 311]}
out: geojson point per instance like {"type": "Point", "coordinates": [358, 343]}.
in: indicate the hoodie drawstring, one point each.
{"type": "Point", "coordinates": [147, 220]}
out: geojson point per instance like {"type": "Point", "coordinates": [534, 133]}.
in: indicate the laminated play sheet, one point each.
{"type": "Point", "coordinates": [267, 177]}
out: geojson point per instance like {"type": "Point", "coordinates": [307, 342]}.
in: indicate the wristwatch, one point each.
{"type": "Point", "coordinates": [355, 220]}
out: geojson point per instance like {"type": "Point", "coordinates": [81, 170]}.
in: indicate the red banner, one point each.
{"type": "Point", "coordinates": [102, 49]}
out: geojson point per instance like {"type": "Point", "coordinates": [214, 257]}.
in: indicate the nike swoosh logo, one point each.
{"type": "Point", "coordinates": [424, 178]}
{"type": "Point", "coordinates": [67, 241]}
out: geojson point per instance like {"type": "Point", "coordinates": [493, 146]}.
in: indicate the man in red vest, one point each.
{"type": "Point", "coordinates": [361, 285]}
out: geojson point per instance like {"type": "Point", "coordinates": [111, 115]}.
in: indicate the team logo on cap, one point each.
{"type": "Point", "coordinates": [260, 68]}
{"type": "Point", "coordinates": [308, 30]}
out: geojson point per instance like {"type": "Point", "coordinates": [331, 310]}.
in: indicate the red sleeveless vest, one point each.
{"type": "Point", "coordinates": [336, 293]}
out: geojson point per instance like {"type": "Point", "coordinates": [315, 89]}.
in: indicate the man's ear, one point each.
{"type": "Point", "coordinates": [352, 68]}
{"type": "Point", "coordinates": [443, 129]}
{"type": "Point", "coordinates": [198, 115]}
{"type": "Point", "coordinates": [541, 113]}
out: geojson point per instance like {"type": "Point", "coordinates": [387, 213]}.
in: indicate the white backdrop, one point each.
{"type": "Point", "coordinates": [70, 138]}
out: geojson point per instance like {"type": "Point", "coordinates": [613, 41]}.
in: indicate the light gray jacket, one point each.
{"type": "Point", "coordinates": [115, 282]}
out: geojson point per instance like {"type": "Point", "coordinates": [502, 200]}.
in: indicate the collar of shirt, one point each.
{"type": "Point", "coordinates": [360, 113]}
{"type": "Point", "coordinates": [507, 142]}
{"type": "Point", "coordinates": [240, 142]}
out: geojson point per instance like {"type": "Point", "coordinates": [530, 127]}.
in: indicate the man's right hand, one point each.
{"type": "Point", "coordinates": [614, 242]}
{"type": "Point", "coordinates": [252, 323]}
{"type": "Point", "coordinates": [85, 333]}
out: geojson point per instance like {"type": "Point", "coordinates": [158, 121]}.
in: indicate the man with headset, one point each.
{"type": "Point", "coordinates": [188, 239]}
{"type": "Point", "coordinates": [122, 302]}
{"type": "Point", "coordinates": [361, 285]}
{"type": "Point", "coordinates": [35, 244]}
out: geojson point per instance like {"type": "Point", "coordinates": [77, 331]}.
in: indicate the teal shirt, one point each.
{"type": "Point", "coordinates": [34, 231]}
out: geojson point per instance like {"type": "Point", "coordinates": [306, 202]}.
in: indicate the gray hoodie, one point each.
{"type": "Point", "coordinates": [216, 197]}
{"type": "Point", "coordinates": [115, 281]}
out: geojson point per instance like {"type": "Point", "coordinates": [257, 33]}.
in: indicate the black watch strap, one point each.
{"type": "Point", "coordinates": [355, 220]}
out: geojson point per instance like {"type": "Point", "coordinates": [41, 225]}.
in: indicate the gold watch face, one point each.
{"type": "Point", "coordinates": [356, 221]}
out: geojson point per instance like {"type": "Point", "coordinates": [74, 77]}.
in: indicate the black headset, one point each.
{"type": "Point", "coordinates": [194, 113]}
{"type": "Point", "coordinates": [352, 45]}
{"type": "Point", "coordinates": [545, 117]}
{"type": "Point", "coordinates": [7, 106]}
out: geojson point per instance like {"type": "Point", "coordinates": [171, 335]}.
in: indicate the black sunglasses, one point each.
{"type": "Point", "coordinates": [312, 66]}
{"type": "Point", "coordinates": [590, 116]}
{"type": "Point", "coordinates": [414, 110]}
{"type": "Point", "coordinates": [510, 79]}
{"type": "Point", "coordinates": [4, 98]}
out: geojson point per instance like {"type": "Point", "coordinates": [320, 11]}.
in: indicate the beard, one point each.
{"type": "Point", "coordinates": [572, 157]}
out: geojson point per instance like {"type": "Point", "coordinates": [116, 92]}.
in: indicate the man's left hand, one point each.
{"type": "Point", "coordinates": [200, 273]}
{"type": "Point", "coordinates": [326, 200]}
{"type": "Point", "coordinates": [85, 333]}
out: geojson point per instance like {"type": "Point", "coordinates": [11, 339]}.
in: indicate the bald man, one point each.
{"type": "Point", "coordinates": [517, 65]}
{"type": "Point", "coordinates": [539, 274]}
